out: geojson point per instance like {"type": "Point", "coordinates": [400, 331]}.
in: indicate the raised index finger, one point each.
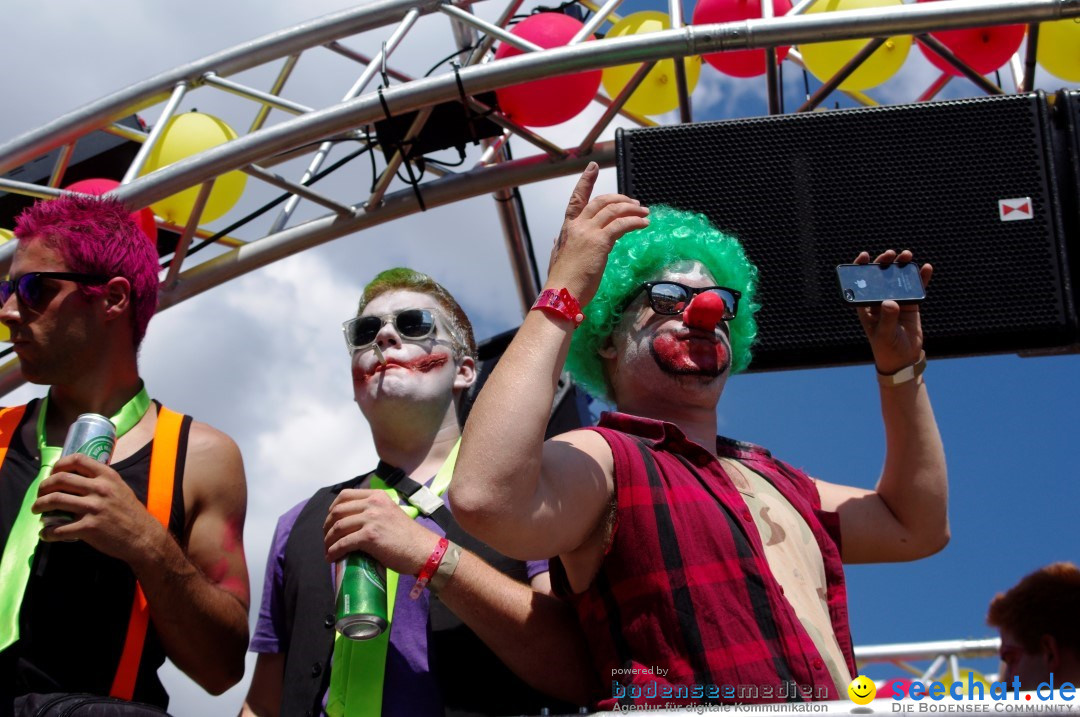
{"type": "Point", "coordinates": [582, 191]}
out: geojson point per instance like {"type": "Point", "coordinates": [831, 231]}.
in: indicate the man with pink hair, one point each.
{"type": "Point", "coordinates": [149, 562]}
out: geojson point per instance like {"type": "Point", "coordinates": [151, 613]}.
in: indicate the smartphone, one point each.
{"type": "Point", "coordinates": [862, 284]}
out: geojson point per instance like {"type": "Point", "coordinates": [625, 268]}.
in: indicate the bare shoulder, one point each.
{"type": "Point", "coordinates": [213, 465]}
{"type": "Point", "coordinates": [578, 447]}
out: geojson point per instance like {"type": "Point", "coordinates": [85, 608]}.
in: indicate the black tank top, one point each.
{"type": "Point", "coordinates": [78, 601]}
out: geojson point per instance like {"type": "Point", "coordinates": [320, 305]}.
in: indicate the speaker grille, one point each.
{"type": "Point", "coordinates": [807, 192]}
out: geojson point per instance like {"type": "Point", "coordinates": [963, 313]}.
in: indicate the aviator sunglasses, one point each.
{"type": "Point", "coordinates": [411, 324]}
{"type": "Point", "coordinates": [30, 287]}
{"type": "Point", "coordinates": [670, 297]}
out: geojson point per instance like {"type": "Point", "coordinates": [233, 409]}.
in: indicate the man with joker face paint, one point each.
{"type": "Point", "coordinates": [471, 631]}
{"type": "Point", "coordinates": [692, 559]}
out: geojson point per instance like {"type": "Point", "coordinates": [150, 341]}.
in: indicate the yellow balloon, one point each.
{"type": "Point", "coordinates": [824, 59]}
{"type": "Point", "coordinates": [658, 92]}
{"type": "Point", "coordinates": [5, 235]}
{"type": "Point", "coordinates": [1059, 48]}
{"type": "Point", "coordinates": [186, 135]}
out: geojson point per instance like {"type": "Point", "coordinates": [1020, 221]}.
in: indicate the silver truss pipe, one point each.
{"type": "Point", "coordinates": [801, 8]}
{"type": "Point", "coordinates": [275, 90]}
{"type": "Point", "coordinates": [510, 211]}
{"type": "Point", "coordinates": [936, 665]}
{"type": "Point", "coordinates": [987, 647]}
{"type": "Point", "coordinates": [300, 190]}
{"type": "Point", "coordinates": [690, 40]}
{"type": "Point", "coordinates": [61, 165]}
{"type": "Point", "coordinates": [439, 192]}
{"type": "Point", "coordinates": [26, 189]}
{"type": "Point", "coordinates": [1016, 69]}
{"type": "Point", "coordinates": [681, 86]}
{"type": "Point", "coordinates": [594, 23]}
{"type": "Point", "coordinates": [366, 77]}
{"type": "Point", "coordinates": [1031, 57]}
{"type": "Point", "coordinates": [489, 40]}
{"type": "Point", "coordinates": [185, 238]}
{"type": "Point", "coordinates": [464, 34]}
{"type": "Point", "coordinates": [155, 134]}
{"type": "Point", "coordinates": [489, 29]}
{"type": "Point", "coordinates": [613, 109]}
{"type": "Point", "coordinates": [269, 100]}
{"type": "Point", "coordinates": [363, 59]}
{"type": "Point", "coordinates": [126, 132]}
{"type": "Point", "coordinates": [251, 54]}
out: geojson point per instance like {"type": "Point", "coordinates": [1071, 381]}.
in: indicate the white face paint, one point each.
{"type": "Point", "coordinates": [651, 351]}
{"type": "Point", "coordinates": [391, 368]}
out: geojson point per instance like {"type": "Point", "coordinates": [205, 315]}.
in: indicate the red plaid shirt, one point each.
{"type": "Point", "coordinates": [684, 608]}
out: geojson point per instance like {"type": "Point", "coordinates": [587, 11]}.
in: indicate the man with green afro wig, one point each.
{"type": "Point", "coordinates": [702, 569]}
{"type": "Point", "coordinates": [671, 236]}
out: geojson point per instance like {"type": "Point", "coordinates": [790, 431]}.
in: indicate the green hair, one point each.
{"type": "Point", "coordinates": [404, 279]}
{"type": "Point", "coordinates": [672, 236]}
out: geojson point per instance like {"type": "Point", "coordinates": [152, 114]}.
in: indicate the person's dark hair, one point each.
{"type": "Point", "coordinates": [404, 279]}
{"type": "Point", "coordinates": [1046, 602]}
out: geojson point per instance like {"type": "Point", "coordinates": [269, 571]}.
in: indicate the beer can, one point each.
{"type": "Point", "coordinates": [361, 599]}
{"type": "Point", "coordinates": [92, 435]}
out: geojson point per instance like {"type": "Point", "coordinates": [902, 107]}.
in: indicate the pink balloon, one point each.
{"type": "Point", "coordinates": [738, 63]}
{"type": "Point", "coordinates": [984, 49]}
{"type": "Point", "coordinates": [144, 217]}
{"type": "Point", "coordinates": [543, 103]}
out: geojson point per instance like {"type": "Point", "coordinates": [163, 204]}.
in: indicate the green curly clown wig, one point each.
{"type": "Point", "coordinates": [672, 236]}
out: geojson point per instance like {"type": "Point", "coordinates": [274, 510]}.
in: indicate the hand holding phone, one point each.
{"type": "Point", "coordinates": [870, 284]}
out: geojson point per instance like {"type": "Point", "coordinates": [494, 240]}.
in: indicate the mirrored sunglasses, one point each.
{"type": "Point", "coordinates": [670, 297]}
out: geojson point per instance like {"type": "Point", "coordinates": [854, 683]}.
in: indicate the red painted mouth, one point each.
{"type": "Point", "coordinates": [423, 364]}
{"type": "Point", "coordinates": [691, 352]}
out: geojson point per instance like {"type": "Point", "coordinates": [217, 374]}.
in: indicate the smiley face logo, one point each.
{"type": "Point", "coordinates": [862, 690]}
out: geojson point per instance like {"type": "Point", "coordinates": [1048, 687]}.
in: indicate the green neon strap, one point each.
{"type": "Point", "coordinates": [23, 539]}
{"type": "Point", "coordinates": [359, 667]}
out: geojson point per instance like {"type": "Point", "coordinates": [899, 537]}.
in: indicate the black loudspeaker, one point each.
{"type": "Point", "coordinates": [971, 186]}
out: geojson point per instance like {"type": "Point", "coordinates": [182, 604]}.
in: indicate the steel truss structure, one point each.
{"type": "Point", "coordinates": [310, 131]}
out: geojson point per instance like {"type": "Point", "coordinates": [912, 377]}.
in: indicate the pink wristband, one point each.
{"type": "Point", "coordinates": [560, 303]}
{"type": "Point", "coordinates": [429, 568]}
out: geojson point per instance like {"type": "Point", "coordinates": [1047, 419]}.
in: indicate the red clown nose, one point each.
{"type": "Point", "coordinates": [705, 311]}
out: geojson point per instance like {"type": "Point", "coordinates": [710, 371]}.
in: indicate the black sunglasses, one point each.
{"type": "Point", "coordinates": [29, 286]}
{"type": "Point", "coordinates": [414, 324]}
{"type": "Point", "coordinates": [670, 297]}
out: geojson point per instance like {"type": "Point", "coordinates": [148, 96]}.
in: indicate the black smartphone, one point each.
{"type": "Point", "coordinates": [873, 283]}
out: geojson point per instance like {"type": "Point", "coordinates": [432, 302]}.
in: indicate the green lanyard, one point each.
{"type": "Point", "coordinates": [22, 540]}
{"type": "Point", "coordinates": [359, 668]}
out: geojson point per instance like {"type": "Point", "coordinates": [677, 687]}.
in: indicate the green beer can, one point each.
{"type": "Point", "coordinates": [361, 599]}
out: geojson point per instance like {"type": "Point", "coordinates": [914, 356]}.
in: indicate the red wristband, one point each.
{"type": "Point", "coordinates": [560, 303]}
{"type": "Point", "coordinates": [428, 571]}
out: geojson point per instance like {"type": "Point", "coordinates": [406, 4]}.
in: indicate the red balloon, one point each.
{"type": "Point", "coordinates": [738, 63]}
{"type": "Point", "coordinates": [984, 49]}
{"type": "Point", "coordinates": [543, 103]}
{"type": "Point", "coordinates": [144, 217]}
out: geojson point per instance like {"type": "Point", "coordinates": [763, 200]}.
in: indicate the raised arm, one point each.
{"type": "Point", "coordinates": [906, 516]}
{"type": "Point", "coordinates": [198, 596]}
{"type": "Point", "coordinates": [523, 497]}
